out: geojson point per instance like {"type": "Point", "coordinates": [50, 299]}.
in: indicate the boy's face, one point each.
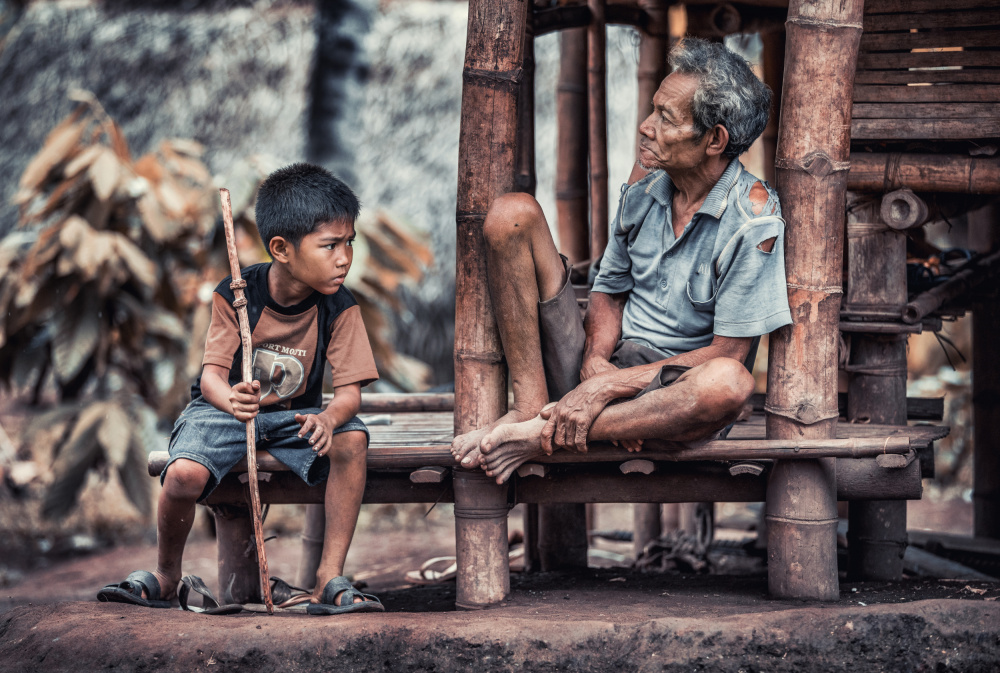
{"type": "Point", "coordinates": [322, 259]}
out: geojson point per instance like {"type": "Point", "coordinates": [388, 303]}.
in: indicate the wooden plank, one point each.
{"type": "Point", "coordinates": [945, 19]}
{"type": "Point", "coordinates": [893, 6]}
{"type": "Point", "coordinates": [933, 39]}
{"type": "Point", "coordinates": [930, 59]}
{"type": "Point", "coordinates": [926, 76]}
{"type": "Point", "coordinates": [940, 93]}
{"type": "Point", "coordinates": [936, 129]}
{"type": "Point", "coordinates": [924, 110]}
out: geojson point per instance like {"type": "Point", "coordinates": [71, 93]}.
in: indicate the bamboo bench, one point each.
{"type": "Point", "coordinates": [409, 460]}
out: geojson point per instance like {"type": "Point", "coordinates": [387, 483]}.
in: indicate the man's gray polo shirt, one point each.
{"type": "Point", "coordinates": [713, 279]}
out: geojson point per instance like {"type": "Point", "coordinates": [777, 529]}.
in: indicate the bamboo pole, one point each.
{"type": "Point", "coordinates": [526, 180]}
{"type": "Point", "coordinates": [571, 161]}
{"type": "Point", "coordinates": [654, 42]}
{"type": "Point", "coordinates": [881, 172]}
{"type": "Point", "coordinates": [876, 268]}
{"type": "Point", "coordinates": [811, 174]}
{"type": "Point", "coordinates": [487, 159]}
{"type": "Point", "coordinates": [773, 57]}
{"type": "Point", "coordinates": [240, 303]}
{"type": "Point", "coordinates": [985, 236]}
{"type": "Point", "coordinates": [598, 123]}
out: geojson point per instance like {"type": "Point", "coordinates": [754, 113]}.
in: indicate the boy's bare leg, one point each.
{"type": "Point", "coordinates": [523, 267]}
{"type": "Point", "coordinates": [344, 488]}
{"type": "Point", "coordinates": [703, 400]}
{"type": "Point", "coordinates": [182, 487]}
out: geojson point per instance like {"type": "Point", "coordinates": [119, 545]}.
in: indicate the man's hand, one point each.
{"type": "Point", "coordinates": [321, 427]}
{"type": "Point", "coordinates": [244, 398]}
{"type": "Point", "coordinates": [568, 422]}
{"type": "Point", "coordinates": [594, 365]}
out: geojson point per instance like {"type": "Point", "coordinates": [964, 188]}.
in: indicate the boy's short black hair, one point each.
{"type": "Point", "coordinates": [294, 199]}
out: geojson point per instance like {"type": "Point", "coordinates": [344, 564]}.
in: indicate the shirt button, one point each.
{"type": "Point", "coordinates": [670, 254]}
{"type": "Point", "coordinates": [663, 284]}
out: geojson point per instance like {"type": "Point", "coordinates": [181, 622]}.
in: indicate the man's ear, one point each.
{"type": "Point", "coordinates": [718, 140]}
{"type": "Point", "coordinates": [279, 248]}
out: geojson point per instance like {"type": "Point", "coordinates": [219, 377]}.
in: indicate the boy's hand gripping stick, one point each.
{"type": "Point", "coordinates": [240, 304]}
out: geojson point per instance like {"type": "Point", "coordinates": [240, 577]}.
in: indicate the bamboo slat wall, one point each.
{"type": "Point", "coordinates": [928, 70]}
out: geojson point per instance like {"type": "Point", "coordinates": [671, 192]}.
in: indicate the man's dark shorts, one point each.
{"type": "Point", "coordinates": [218, 441]}
{"type": "Point", "coordinates": [563, 339]}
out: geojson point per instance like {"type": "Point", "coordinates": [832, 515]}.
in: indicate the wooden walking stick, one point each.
{"type": "Point", "coordinates": [240, 304]}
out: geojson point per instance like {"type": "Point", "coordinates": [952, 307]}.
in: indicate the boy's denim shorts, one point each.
{"type": "Point", "coordinates": [218, 441]}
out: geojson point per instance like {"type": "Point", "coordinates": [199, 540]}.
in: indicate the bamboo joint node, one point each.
{"type": "Point", "coordinates": [238, 303]}
{"type": "Point", "coordinates": [825, 25]}
{"type": "Point", "coordinates": [817, 164]}
{"type": "Point", "coordinates": [500, 79]}
{"type": "Point", "coordinates": [237, 284]}
{"type": "Point", "coordinates": [805, 413]}
{"type": "Point", "coordinates": [491, 357]}
{"type": "Point", "coordinates": [481, 512]}
{"type": "Point", "coordinates": [827, 289]}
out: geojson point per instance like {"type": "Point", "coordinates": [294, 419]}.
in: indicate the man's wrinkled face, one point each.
{"type": "Point", "coordinates": [667, 137]}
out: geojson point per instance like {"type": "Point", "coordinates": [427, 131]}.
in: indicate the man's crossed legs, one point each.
{"type": "Point", "coordinates": [675, 403]}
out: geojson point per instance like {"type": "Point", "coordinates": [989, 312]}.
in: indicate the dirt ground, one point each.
{"type": "Point", "coordinates": [599, 619]}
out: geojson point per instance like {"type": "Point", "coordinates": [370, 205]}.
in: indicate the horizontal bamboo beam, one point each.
{"type": "Point", "coordinates": [954, 173]}
{"type": "Point", "coordinates": [411, 457]}
{"type": "Point", "coordinates": [682, 482]}
{"type": "Point", "coordinates": [926, 76]}
{"type": "Point", "coordinates": [942, 93]}
{"type": "Point", "coordinates": [895, 6]}
{"type": "Point", "coordinates": [961, 283]}
{"type": "Point", "coordinates": [936, 39]}
{"type": "Point", "coordinates": [924, 110]}
{"type": "Point", "coordinates": [928, 59]}
{"type": "Point", "coordinates": [933, 19]}
{"type": "Point", "coordinates": [931, 129]}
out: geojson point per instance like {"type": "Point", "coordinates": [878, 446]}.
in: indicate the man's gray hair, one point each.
{"type": "Point", "coordinates": [729, 93]}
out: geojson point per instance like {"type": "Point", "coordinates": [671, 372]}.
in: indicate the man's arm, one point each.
{"type": "Point", "coordinates": [570, 419]}
{"type": "Point", "coordinates": [603, 326]}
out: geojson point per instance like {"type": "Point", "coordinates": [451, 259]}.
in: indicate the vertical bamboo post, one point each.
{"type": "Point", "coordinates": [876, 276]}
{"type": "Point", "coordinates": [985, 230]}
{"type": "Point", "coordinates": [312, 545]}
{"type": "Point", "coordinates": [526, 180]}
{"type": "Point", "coordinates": [653, 46]}
{"type": "Point", "coordinates": [598, 123]}
{"type": "Point", "coordinates": [773, 57]}
{"type": "Point", "coordinates": [238, 568]}
{"type": "Point", "coordinates": [571, 160]}
{"type": "Point", "coordinates": [487, 157]}
{"type": "Point", "coordinates": [811, 171]}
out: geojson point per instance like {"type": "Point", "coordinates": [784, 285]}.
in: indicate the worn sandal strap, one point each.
{"type": "Point", "coordinates": [139, 580]}
{"type": "Point", "coordinates": [194, 583]}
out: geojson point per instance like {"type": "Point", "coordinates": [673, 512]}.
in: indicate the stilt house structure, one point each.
{"type": "Point", "coordinates": [882, 109]}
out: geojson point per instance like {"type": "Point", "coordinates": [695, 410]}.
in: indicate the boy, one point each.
{"type": "Point", "coordinates": [298, 313]}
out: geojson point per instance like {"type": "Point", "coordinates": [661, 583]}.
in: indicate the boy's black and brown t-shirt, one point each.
{"type": "Point", "coordinates": [289, 342]}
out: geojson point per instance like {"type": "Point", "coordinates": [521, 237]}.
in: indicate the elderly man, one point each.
{"type": "Point", "coordinates": [693, 272]}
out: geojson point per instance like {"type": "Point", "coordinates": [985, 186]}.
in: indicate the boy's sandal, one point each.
{"type": "Point", "coordinates": [434, 571]}
{"type": "Point", "coordinates": [342, 586]}
{"type": "Point", "coordinates": [130, 591]}
{"type": "Point", "coordinates": [209, 604]}
{"type": "Point", "coordinates": [285, 596]}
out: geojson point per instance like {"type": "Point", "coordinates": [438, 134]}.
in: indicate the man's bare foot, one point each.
{"type": "Point", "coordinates": [465, 448]}
{"type": "Point", "coordinates": [509, 446]}
{"type": "Point", "coordinates": [168, 585]}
